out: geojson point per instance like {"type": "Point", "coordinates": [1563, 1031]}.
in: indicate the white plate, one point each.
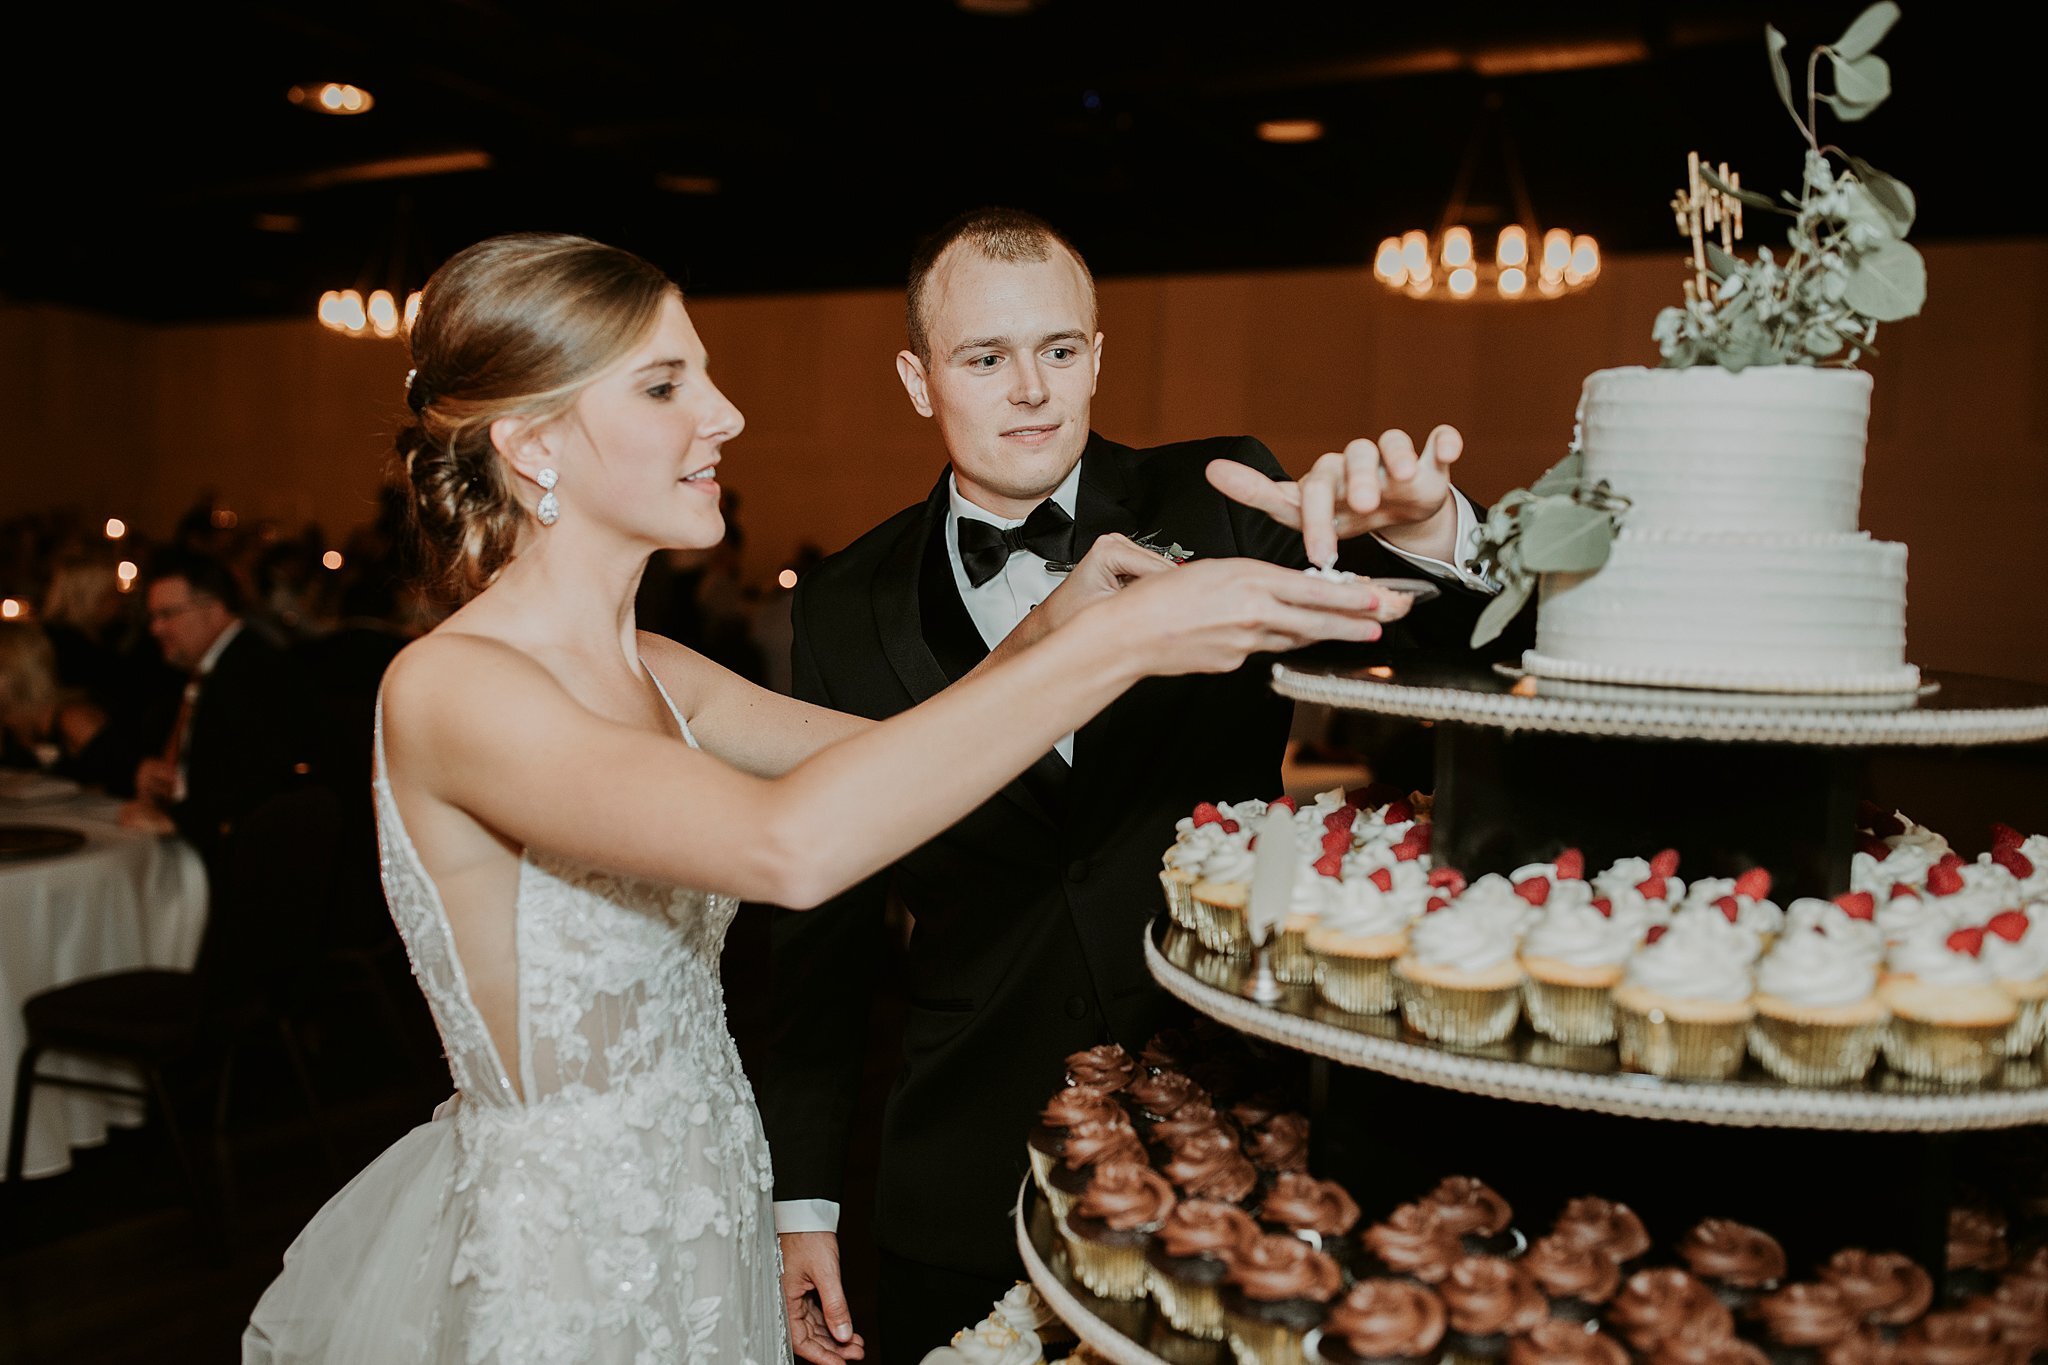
{"type": "Point", "coordinates": [35, 789]}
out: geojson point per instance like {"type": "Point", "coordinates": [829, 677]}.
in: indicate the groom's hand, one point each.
{"type": "Point", "coordinates": [1386, 487]}
{"type": "Point", "coordinates": [820, 1328]}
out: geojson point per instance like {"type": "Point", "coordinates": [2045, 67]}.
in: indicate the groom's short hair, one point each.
{"type": "Point", "coordinates": [998, 234]}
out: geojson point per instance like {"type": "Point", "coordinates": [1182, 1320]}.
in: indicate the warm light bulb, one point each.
{"type": "Point", "coordinates": [1549, 286]}
{"type": "Point", "coordinates": [383, 311]}
{"type": "Point", "coordinates": [224, 519]}
{"type": "Point", "coordinates": [1457, 247]}
{"type": "Point", "coordinates": [1513, 247]}
{"type": "Point", "coordinates": [1557, 251]}
{"type": "Point", "coordinates": [116, 528]}
{"type": "Point", "coordinates": [1585, 256]}
{"type": "Point", "coordinates": [787, 578]}
{"type": "Point", "coordinates": [412, 308]}
{"type": "Point", "coordinates": [1513, 282]}
{"type": "Point", "coordinates": [9, 609]}
{"type": "Point", "coordinates": [1386, 262]}
{"type": "Point", "coordinates": [331, 560]}
{"type": "Point", "coordinates": [330, 98]}
{"type": "Point", "coordinates": [1419, 286]}
{"type": "Point", "coordinates": [331, 312]}
{"type": "Point", "coordinates": [1463, 281]}
{"type": "Point", "coordinates": [350, 311]}
{"type": "Point", "coordinates": [125, 571]}
{"type": "Point", "coordinates": [1415, 255]}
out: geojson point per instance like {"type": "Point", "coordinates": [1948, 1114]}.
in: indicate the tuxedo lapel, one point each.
{"type": "Point", "coordinates": [897, 608]}
{"type": "Point", "coordinates": [1101, 503]}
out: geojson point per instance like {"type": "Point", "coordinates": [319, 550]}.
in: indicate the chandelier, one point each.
{"type": "Point", "coordinates": [371, 307]}
{"type": "Point", "coordinates": [1527, 260]}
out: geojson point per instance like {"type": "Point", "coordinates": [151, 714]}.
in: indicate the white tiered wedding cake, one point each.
{"type": "Point", "coordinates": [1739, 564]}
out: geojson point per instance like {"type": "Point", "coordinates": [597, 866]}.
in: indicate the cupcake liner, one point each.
{"type": "Point", "coordinates": [1196, 1309]}
{"type": "Point", "coordinates": [1255, 1342]}
{"type": "Point", "coordinates": [1462, 1018]}
{"type": "Point", "coordinates": [1579, 1016]}
{"type": "Point", "coordinates": [1288, 953]}
{"type": "Point", "coordinates": [1180, 1348]}
{"type": "Point", "coordinates": [1222, 928]}
{"type": "Point", "coordinates": [1357, 985]}
{"type": "Point", "coordinates": [1679, 1049]}
{"type": "Point", "coordinates": [1815, 1054]}
{"type": "Point", "coordinates": [1041, 1169]}
{"type": "Point", "coordinates": [1109, 1272]}
{"type": "Point", "coordinates": [1180, 897]}
{"type": "Point", "coordinates": [2028, 1030]}
{"type": "Point", "coordinates": [1951, 1054]}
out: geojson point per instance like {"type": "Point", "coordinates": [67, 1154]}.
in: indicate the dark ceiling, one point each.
{"type": "Point", "coordinates": [158, 171]}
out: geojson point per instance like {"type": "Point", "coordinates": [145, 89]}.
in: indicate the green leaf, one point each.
{"type": "Point", "coordinates": [1505, 606]}
{"type": "Point", "coordinates": [1565, 537]}
{"type": "Point", "coordinates": [1888, 283]}
{"type": "Point", "coordinates": [1891, 194]}
{"type": "Point", "coordinates": [1749, 197]}
{"type": "Point", "coordinates": [1721, 264]}
{"type": "Point", "coordinates": [1865, 81]}
{"type": "Point", "coordinates": [1846, 110]}
{"type": "Point", "coordinates": [1775, 42]}
{"type": "Point", "coordinates": [1561, 477]}
{"type": "Point", "coordinates": [1867, 31]}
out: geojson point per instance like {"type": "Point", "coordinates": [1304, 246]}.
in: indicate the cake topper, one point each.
{"type": "Point", "coordinates": [1702, 210]}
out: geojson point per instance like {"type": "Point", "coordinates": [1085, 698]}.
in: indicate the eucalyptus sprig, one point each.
{"type": "Point", "coordinates": [1849, 266]}
{"type": "Point", "coordinates": [1558, 524]}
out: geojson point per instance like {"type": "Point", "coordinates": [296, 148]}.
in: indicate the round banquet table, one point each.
{"type": "Point", "coordinates": [125, 899]}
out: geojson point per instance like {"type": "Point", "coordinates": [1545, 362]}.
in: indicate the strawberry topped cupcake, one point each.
{"type": "Point", "coordinates": [1195, 838]}
{"type": "Point", "coordinates": [1575, 955]}
{"type": "Point", "coordinates": [1744, 903]}
{"type": "Point", "coordinates": [1850, 920]}
{"type": "Point", "coordinates": [1949, 1017]}
{"type": "Point", "coordinates": [1460, 981]}
{"type": "Point", "coordinates": [2016, 951]}
{"type": "Point", "coordinates": [1362, 930]}
{"type": "Point", "coordinates": [1222, 890]}
{"type": "Point", "coordinates": [1683, 1009]}
{"type": "Point", "coordinates": [1818, 1020]}
{"type": "Point", "coordinates": [2023, 855]}
{"type": "Point", "coordinates": [1641, 892]}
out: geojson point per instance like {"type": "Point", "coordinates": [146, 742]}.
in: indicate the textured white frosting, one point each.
{"type": "Point", "coordinates": [1362, 910]}
{"type": "Point", "coordinates": [1808, 917]}
{"type": "Point", "coordinates": [1494, 897]}
{"type": "Point", "coordinates": [1231, 860]}
{"type": "Point", "coordinates": [1811, 968]}
{"type": "Point", "coordinates": [2025, 960]}
{"type": "Point", "coordinates": [1994, 880]}
{"type": "Point", "coordinates": [1470, 939]}
{"type": "Point", "coordinates": [1755, 916]}
{"type": "Point", "coordinates": [1193, 846]}
{"type": "Point", "coordinates": [1023, 1310]}
{"type": "Point", "coordinates": [994, 1343]}
{"type": "Point", "coordinates": [1694, 961]}
{"type": "Point", "coordinates": [1925, 954]}
{"type": "Point", "coordinates": [1571, 930]}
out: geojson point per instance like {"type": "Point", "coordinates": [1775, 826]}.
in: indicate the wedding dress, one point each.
{"type": "Point", "coordinates": [611, 1206]}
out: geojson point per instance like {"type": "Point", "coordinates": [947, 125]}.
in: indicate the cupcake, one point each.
{"type": "Point", "coordinates": [2016, 951]}
{"type": "Point", "coordinates": [1192, 1118]}
{"type": "Point", "coordinates": [1884, 1289]}
{"type": "Point", "coordinates": [1977, 1251]}
{"type": "Point", "coordinates": [1605, 1226]}
{"type": "Point", "coordinates": [1090, 1143]}
{"type": "Point", "coordinates": [1739, 1263]}
{"type": "Point", "coordinates": [1706, 1349]}
{"type": "Point", "coordinates": [1188, 1259]}
{"type": "Point", "coordinates": [1280, 1145]}
{"type": "Point", "coordinates": [1818, 1020]}
{"type": "Point", "coordinates": [1683, 1010]}
{"type": "Point", "coordinates": [1744, 904]}
{"type": "Point", "coordinates": [1579, 1279]}
{"type": "Point", "coordinates": [1949, 1016]}
{"type": "Point", "coordinates": [1277, 1290]}
{"type": "Point", "coordinates": [990, 1342]}
{"type": "Point", "coordinates": [1953, 1337]}
{"type": "Point", "coordinates": [1799, 1323]}
{"type": "Point", "coordinates": [1316, 888]}
{"type": "Point", "coordinates": [1210, 1166]}
{"type": "Point", "coordinates": [1575, 956]}
{"type": "Point", "coordinates": [1381, 1322]}
{"type": "Point", "coordinates": [1195, 838]}
{"type": "Point", "coordinates": [1489, 1300]}
{"type": "Point", "coordinates": [1479, 1216]}
{"type": "Point", "coordinates": [1460, 981]}
{"type": "Point", "coordinates": [1641, 891]}
{"type": "Point", "coordinates": [1047, 1141]}
{"type": "Point", "coordinates": [2019, 1308]}
{"type": "Point", "coordinates": [1107, 1068]}
{"type": "Point", "coordinates": [1363, 929]}
{"type": "Point", "coordinates": [1413, 1242]}
{"type": "Point", "coordinates": [1221, 893]}
{"type": "Point", "coordinates": [1319, 1212]}
{"type": "Point", "coordinates": [1111, 1225]}
{"type": "Point", "coordinates": [1659, 1305]}
{"type": "Point", "coordinates": [1160, 1095]}
{"type": "Point", "coordinates": [1565, 1343]}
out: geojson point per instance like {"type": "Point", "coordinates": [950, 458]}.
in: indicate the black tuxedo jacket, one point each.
{"type": "Point", "coordinates": [1028, 911]}
{"type": "Point", "coordinates": [251, 736]}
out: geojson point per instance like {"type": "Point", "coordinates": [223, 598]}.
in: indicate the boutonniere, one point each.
{"type": "Point", "coordinates": [1172, 550]}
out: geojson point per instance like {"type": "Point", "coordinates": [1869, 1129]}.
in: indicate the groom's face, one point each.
{"type": "Point", "coordinates": [1012, 371]}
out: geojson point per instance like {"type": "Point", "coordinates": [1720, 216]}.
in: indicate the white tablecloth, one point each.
{"type": "Point", "coordinates": [124, 900]}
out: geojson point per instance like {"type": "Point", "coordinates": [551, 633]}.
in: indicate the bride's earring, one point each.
{"type": "Point", "coordinates": [549, 510]}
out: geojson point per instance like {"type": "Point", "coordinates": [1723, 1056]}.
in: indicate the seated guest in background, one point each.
{"type": "Point", "coordinates": [242, 731]}
{"type": "Point", "coordinates": [45, 725]}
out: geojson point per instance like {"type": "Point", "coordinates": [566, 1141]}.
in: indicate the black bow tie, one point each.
{"type": "Point", "coordinates": [984, 549]}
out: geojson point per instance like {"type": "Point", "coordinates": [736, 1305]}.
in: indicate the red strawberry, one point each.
{"type": "Point", "coordinates": [2005, 836]}
{"type": "Point", "coordinates": [1342, 818]}
{"type": "Point", "coordinates": [1904, 889]}
{"type": "Point", "coordinates": [1874, 846]}
{"type": "Point", "coordinates": [1409, 849]}
{"type": "Point", "coordinates": [1447, 878]}
{"type": "Point", "coordinates": [1730, 907]}
{"type": "Point", "coordinates": [1950, 859]}
{"type": "Point", "coordinates": [1330, 864]}
{"type": "Point", "coordinates": [1571, 866]}
{"type": "Point", "coordinates": [1231, 827]}
{"type": "Point", "coordinates": [1657, 931]}
{"type": "Point", "coordinates": [1207, 814]}
{"type": "Point", "coordinates": [1424, 834]}
{"type": "Point", "coordinates": [1665, 864]}
{"type": "Point", "coordinates": [1398, 813]}
{"type": "Point", "coordinates": [1858, 904]}
{"type": "Point", "coordinates": [1755, 883]}
{"type": "Point", "coordinates": [2010, 925]}
{"type": "Point", "coordinates": [1436, 903]}
{"type": "Point", "coordinates": [1383, 878]}
{"type": "Point", "coordinates": [1944, 880]}
{"type": "Point", "coordinates": [1536, 890]}
{"type": "Point", "coordinates": [1604, 906]}
{"type": "Point", "coordinates": [2013, 861]}
{"type": "Point", "coordinates": [1252, 844]}
{"type": "Point", "coordinates": [1655, 888]}
{"type": "Point", "coordinates": [1285, 803]}
{"type": "Point", "coordinates": [1969, 941]}
{"type": "Point", "coordinates": [1337, 841]}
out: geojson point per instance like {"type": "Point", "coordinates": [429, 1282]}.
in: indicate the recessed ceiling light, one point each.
{"type": "Point", "coordinates": [1290, 130]}
{"type": "Point", "coordinates": [330, 97]}
{"type": "Point", "coordinates": [686, 184]}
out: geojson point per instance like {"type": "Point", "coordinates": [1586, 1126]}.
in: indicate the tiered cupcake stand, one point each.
{"type": "Point", "coordinates": [1526, 767]}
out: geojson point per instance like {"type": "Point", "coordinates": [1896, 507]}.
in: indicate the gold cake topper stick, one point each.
{"type": "Point", "coordinates": [1702, 212]}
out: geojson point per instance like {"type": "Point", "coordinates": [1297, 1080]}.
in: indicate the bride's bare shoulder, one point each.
{"type": "Point", "coordinates": [458, 678]}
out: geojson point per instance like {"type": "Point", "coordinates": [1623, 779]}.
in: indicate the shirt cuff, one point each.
{"type": "Point", "coordinates": [1467, 546]}
{"type": "Point", "coordinates": [806, 1215]}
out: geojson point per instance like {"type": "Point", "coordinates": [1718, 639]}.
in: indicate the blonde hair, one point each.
{"type": "Point", "coordinates": [82, 589]}
{"type": "Point", "coordinates": [515, 326]}
{"type": "Point", "coordinates": [28, 668]}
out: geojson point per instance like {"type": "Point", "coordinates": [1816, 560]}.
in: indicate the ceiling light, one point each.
{"type": "Point", "coordinates": [1290, 130]}
{"type": "Point", "coordinates": [331, 97]}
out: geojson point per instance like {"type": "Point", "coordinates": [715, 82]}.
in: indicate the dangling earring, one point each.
{"type": "Point", "coordinates": [549, 510]}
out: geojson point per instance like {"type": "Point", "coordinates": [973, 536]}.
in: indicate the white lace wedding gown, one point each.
{"type": "Point", "coordinates": [612, 1206]}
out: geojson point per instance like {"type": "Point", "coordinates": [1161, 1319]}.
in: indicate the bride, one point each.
{"type": "Point", "coordinates": [570, 811]}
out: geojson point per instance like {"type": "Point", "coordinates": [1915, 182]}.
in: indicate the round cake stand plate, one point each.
{"type": "Point", "coordinates": [1376, 1043]}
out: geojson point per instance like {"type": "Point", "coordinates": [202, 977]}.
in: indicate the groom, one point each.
{"type": "Point", "coordinates": [1028, 912]}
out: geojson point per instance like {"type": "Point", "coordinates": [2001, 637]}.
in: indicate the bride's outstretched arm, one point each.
{"type": "Point", "coordinates": [483, 728]}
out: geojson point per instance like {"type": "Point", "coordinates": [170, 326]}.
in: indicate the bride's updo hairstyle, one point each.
{"type": "Point", "coordinates": [514, 326]}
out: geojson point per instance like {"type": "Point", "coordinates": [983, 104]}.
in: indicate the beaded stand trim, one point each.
{"type": "Point", "coordinates": [1112, 1344]}
{"type": "Point", "coordinates": [1626, 1095]}
{"type": "Point", "coordinates": [1771, 720]}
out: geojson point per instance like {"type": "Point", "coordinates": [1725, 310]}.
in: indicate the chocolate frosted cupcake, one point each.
{"type": "Point", "coordinates": [1188, 1259]}
{"type": "Point", "coordinates": [1798, 1324]}
{"type": "Point", "coordinates": [1280, 1146]}
{"type": "Point", "coordinates": [1048, 1138]}
{"type": "Point", "coordinates": [1319, 1212]}
{"type": "Point", "coordinates": [1192, 1118]}
{"type": "Point", "coordinates": [2020, 1308]}
{"type": "Point", "coordinates": [1209, 1166]}
{"type": "Point", "coordinates": [1111, 1225]}
{"type": "Point", "coordinates": [1884, 1289]}
{"type": "Point", "coordinates": [1579, 1279]}
{"type": "Point", "coordinates": [1089, 1144]}
{"type": "Point", "coordinates": [1605, 1226]}
{"type": "Point", "coordinates": [1565, 1343]}
{"type": "Point", "coordinates": [1107, 1068]}
{"type": "Point", "coordinates": [1256, 1111]}
{"type": "Point", "coordinates": [1953, 1337]}
{"type": "Point", "coordinates": [1706, 1349]}
{"type": "Point", "coordinates": [1489, 1300]}
{"type": "Point", "coordinates": [1276, 1291]}
{"type": "Point", "coordinates": [1478, 1214]}
{"type": "Point", "coordinates": [1160, 1095]}
{"type": "Point", "coordinates": [1414, 1242]}
{"type": "Point", "coordinates": [1976, 1252]}
{"type": "Point", "coordinates": [1381, 1322]}
{"type": "Point", "coordinates": [1739, 1263]}
{"type": "Point", "coordinates": [1660, 1305]}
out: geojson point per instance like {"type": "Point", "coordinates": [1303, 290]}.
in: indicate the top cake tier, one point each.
{"type": "Point", "coordinates": [1775, 448]}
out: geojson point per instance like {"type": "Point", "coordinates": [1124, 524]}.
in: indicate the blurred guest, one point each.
{"type": "Point", "coordinates": [82, 616]}
{"type": "Point", "coordinates": [45, 725]}
{"type": "Point", "coordinates": [242, 730]}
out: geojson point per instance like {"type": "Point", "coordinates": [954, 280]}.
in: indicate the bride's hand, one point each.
{"type": "Point", "coordinates": [1112, 563]}
{"type": "Point", "coordinates": [1209, 616]}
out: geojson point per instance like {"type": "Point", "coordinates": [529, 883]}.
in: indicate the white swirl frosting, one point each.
{"type": "Point", "coordinates": [1493, 896]}
{"type": "Point", "coordinates": [1023, 1310]}
{"type": "Point", "coordinates": [2025, 959]}
{"type": "Point", "coordinates": [1809, 915]}
{"type": "Point", "coordinates": [1694, 961]}
{"type": "Point", "coordinates": [1362, 910]}
{"type": "Point", "coordinates": [1193, 845]}
{"type": "Point", "coordinates": [994, 1343]}
{"type": "Point", "coordinates": [1571, 931]}
{"type": "Point", "coordinates": [1925, 954]}
{"type": "Point", "coordinates": [1231, 861]}
{"type": "Point", "coordinates": [1807, 967]}
{"type": "Point", "coordinates": [1462, 937]}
